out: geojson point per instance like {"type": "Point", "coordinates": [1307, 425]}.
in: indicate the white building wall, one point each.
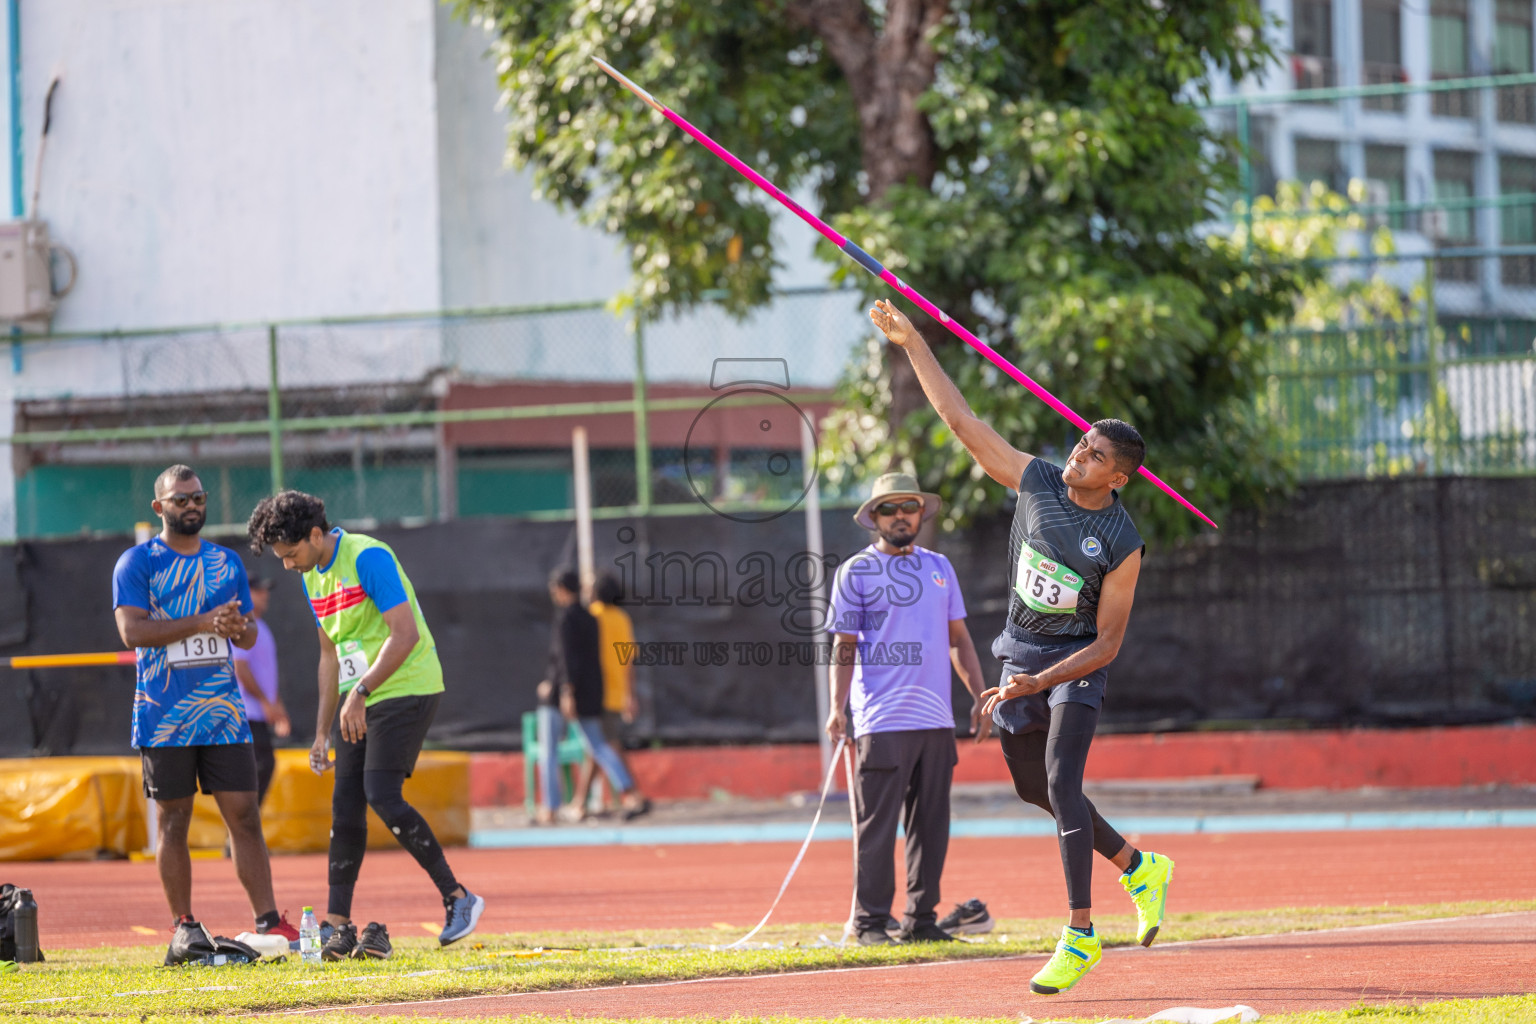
{"type": "Point", "coordinates": [231, 161]}
{"type": "Point", "coordinates": [235, 160]}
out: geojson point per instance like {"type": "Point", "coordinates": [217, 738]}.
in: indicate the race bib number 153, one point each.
{"type": "Point", "coordinates": [353, 663]}
{"type": "Point", "coordinates": [1046, 586]}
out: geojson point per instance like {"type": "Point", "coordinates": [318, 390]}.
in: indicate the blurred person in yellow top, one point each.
{"type": "Point", "coordinates": [614, 631]}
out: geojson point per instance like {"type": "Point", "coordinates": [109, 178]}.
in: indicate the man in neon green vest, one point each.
{"type": "Point", "coordinates": [379, 662]}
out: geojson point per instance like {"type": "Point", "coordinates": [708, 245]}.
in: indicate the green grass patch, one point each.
{"type": "Point", "coordinates": [125, 983]}
{"type": "Point", "coordinates": [1496, 1010]}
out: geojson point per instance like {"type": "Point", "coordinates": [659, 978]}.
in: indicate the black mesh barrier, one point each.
{"type": "Point", "coordinates": [1384, 603]}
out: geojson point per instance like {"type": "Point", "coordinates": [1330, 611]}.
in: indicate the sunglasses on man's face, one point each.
{"type": "Point", "coordinates": [198, 498]}
{"type": "Point", "coordinates": [890, 508]}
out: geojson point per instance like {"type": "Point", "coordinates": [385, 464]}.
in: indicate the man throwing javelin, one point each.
{"type": "Point", "coordinates": [1074, 555]}
{"type": "Point", "coordinates": [379, 662]}
{"type": "Point", "coordinates": [181, 601]}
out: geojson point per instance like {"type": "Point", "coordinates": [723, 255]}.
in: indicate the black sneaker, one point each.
{"type": "Point", "coordinates": [927, 933]}
{"type": "Point", "coordinates": [876, 937]}
{"type": "Point", "coordinates": [189, 941]}
{"type": "Point", "coordinates": [342, 943]}
{"type": "Point", "coordinates": [968, 918]}
{"type": "Point", "coordinates": [374, 942]}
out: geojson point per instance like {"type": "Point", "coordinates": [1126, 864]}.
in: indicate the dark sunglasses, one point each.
{"type": "Point", "coordinates": [890, 508]}
{"type": "Point", "coordinates": [198, 498]}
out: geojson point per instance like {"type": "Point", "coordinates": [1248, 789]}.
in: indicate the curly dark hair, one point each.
{"type": "Point", "coordinates": [285, 518]}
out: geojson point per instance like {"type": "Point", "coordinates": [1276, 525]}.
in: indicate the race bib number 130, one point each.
{"type": "Point", "coordinates": [1046, 586]}
{"type": "Point", "coordinates": [353, 662]}
{"type": "Point", "coordinates": [197, 650]}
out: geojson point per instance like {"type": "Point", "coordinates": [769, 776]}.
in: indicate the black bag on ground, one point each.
{"type": "Point", "coordinates": [228, 951]}
{"type": "Point", "coordinates": [18, 925]}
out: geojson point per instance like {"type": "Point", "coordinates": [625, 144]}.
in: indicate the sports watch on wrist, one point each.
{"type": "Point", "coordinates": [360, 688]}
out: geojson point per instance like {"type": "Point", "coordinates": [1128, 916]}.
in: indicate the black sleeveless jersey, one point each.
{"type": "Point", "coordinates": [1059, 553]}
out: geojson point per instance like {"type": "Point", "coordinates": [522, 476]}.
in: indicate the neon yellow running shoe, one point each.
{"type": "Point", "coordinates": [1148, 888]}
{"type": "Point", "coordinates": [1075, 955]}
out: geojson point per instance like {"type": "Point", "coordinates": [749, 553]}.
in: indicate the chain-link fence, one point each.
{"type": "Point", "coordinates": [420, 418]}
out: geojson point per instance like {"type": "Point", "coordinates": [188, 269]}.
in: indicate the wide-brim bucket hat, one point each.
{"type": "Point", "coordinates": [896, 485]}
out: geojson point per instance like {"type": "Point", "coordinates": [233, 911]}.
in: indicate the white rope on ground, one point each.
{"type": "Point", "coordinates": [825, 786]}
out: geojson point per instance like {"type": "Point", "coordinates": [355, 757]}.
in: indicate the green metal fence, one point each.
{"type": "Point", "coordinates": [1446, 388]}
{"type": "Point", "coordinates": [427, 417]}
{"type": "Point", "coordinates": [468, 413]}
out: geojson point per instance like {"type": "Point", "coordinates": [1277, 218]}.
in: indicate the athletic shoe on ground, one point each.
{"type": "Point", "coordinates": [892, 927]}
{"type": "Point", "coordinates": [189, 941]}
{"type": "Point", "coordinates": [1148, 887]}
{"type": "Point", "coordinates": [342, 944]}
{"type": "Point", "coordinates": [927, 933]}
{"type": "Point", "coordinates": [374, 943]}
{"type": "Point", "coordinates": [968, 918]}
{"type": "Point", "coordinates": [876, 937]}
{"type": "Point", "coordinates": [282, 928]}
{"type": "Point", "coordinates": [1075, 956]}
{"type": "Point", "coordinates": [462, 915]}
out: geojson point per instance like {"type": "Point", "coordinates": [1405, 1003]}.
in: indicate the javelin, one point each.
{"type": "Point", "coordinates": [873, 265]}
{"type": "Point", "coordinates": [68, 660]}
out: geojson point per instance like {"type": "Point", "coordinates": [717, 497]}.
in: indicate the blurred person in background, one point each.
{"type": "Point", "coordinates": [256, 672]}
{"type": "Point", "coordinates": [181, 602]}
{"type": "Point", "coordinates": [572, 690]}
{"type": "Point", "coordinates": [614, 630]}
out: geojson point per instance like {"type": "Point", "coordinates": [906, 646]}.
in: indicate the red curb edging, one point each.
{"type": "Point", "coordinates": [1322, 759]}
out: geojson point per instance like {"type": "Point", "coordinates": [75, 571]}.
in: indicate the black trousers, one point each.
{"type": "Point", "coordinates": [902, 776]}
{"type": "Point", "coordinates": [1047, 770]}
{"type": "Point", "coordinates": [266, 758]}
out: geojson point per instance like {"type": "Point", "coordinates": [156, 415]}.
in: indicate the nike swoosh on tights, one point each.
{"type": "Point", "coordinates": [1070, 831]}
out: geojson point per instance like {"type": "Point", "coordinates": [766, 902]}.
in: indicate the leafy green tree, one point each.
{"type": "Point", "coordinates": [1037, 169]}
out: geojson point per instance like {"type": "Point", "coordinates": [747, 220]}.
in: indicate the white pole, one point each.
{"type": "Point", "coordinates": [813, 545]}
{"type": "Point", "coordinates": [583, 481]}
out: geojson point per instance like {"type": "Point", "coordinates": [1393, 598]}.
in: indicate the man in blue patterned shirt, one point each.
{"type": "Point", "coordinates": [181, 602]}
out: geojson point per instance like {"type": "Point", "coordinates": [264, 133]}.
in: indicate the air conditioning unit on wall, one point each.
{"type": "Point", "coordinates": [27, 296]}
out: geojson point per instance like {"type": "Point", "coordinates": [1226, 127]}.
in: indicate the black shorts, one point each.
{"type": "Point", "coordinates": [174, 773]}
{"type": "Point", "coordinates": [1019, 652]}
{"type": "Point", "coordinates": [397, 727]}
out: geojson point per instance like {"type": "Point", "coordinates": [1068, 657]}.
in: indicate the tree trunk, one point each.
{"type": "Point", "coordinates": [886, 72]}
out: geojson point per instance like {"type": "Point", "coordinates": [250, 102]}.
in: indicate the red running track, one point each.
{"type": "Point", "coordinates": [629, 888]}
{"type": "Point", "coordinates": [1406, 964]}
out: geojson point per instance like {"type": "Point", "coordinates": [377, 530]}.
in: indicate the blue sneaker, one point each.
{"type": "Point", "coordinates": [463, 914]}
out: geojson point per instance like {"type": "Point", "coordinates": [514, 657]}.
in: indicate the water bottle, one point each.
{"type": "Point", "coordinates": [309, 937]}
{"type": "Point", "coordinates": [24, 923]}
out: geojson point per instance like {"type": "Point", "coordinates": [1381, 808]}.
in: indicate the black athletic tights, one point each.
{"type": "Point", "coordinates": [349, 833]}
{"type": "Point", "coordinates": [1047, 770]}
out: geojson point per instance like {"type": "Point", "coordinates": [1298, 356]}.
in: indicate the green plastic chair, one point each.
{"type": "Point", "coordinates": [569, 753]}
